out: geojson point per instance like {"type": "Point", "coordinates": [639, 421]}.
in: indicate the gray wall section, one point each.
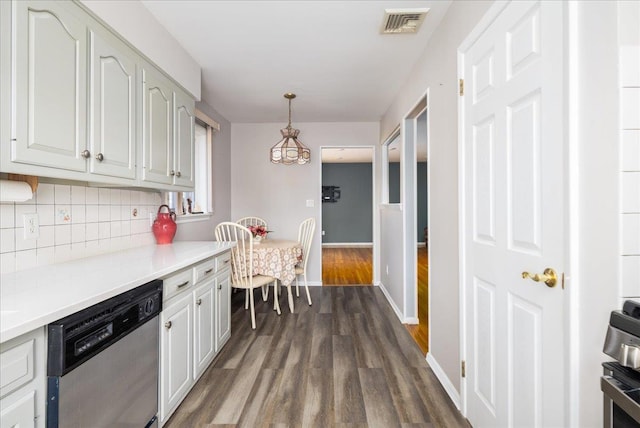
{"type": "Point", "coordinates": [394, 183]}
{"type": "Point", "coordinates": [421, 177]}
{"type": "Point", "coordinates": [351, 218]}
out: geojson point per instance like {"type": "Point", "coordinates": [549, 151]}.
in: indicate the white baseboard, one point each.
{"type": "Point", "coordinates": [391, 302]}
{"type": "Point", "coordinates": [347, 245]}
{"type": "Point", "coordinates": [444, 380]}
{"type": "Point", "coordinates": [411, 320]}
{"type": "Point", "coordinates": [421, 244]}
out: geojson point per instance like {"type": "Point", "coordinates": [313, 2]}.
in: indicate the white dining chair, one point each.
{"type": "Point", "coordinates": [305, 237]}
{"type": "Point", "coordinates": [242, 276]}
{"type": "Point", "coordinates": [252, 221]}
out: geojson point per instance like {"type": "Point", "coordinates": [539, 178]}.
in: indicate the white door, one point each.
{"type": "Point", "coordinates": [112, 106]}
{"type": "Point", "coordinates": [513, 175]}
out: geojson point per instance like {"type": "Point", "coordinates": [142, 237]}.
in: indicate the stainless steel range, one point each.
{"type": "Point", "coordinates": [621, 380]}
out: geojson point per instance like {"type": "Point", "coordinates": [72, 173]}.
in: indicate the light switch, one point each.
{"type": "Point", "coordinates": [309, 203]}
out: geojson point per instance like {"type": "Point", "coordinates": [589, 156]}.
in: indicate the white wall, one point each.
{"type": "Point", "coordinates": [136, 24]}
{"type": "Point", "coordinates": [599, 209]}
{"type": "Point", "coordinates": [437, 71]}
{"type": "Point", "coordinates": [278, 193]}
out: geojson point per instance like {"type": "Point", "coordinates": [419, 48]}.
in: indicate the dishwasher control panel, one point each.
{"type": "Point", "coordinates": [76, 338]}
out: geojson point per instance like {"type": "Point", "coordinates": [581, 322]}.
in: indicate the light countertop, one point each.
{"type": "Point", "coordinates": [33, 298]}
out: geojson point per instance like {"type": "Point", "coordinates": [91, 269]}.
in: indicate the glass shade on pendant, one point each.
{"type": "Point", "coordinates": [289, 150]}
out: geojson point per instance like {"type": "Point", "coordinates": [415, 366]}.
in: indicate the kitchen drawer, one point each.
{"type": "Point", "coordinates": [223, 261]}
{"type": "Point", "coordinates": [17, 364]}
{"type": "Point", "coordinates": [204, 270]}
{"type": "Point", "coordinates": [177, 282]}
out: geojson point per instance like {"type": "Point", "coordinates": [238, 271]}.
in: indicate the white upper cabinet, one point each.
{"type": "Point", "coordinates": [77, 102]}
{"type": "Point", "coordinates": [169, 132]}
{"type": "Point", "coordinates": [158, 131]}
{"type": "Point", "coordinates": [184, 136]}
{"type": "Point", "coordinates": [50, 85]}
{"type": "Point", "coordinates": [112, 120]}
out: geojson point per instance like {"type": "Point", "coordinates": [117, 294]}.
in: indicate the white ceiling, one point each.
{"type": "Point", "coordinates": [330, 53]}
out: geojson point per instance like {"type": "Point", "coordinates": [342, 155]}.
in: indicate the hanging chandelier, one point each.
{"type": "Point", "coordinates": [290, 150]}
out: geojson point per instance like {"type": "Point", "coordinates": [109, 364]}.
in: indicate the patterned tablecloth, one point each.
{"type": "Point", "coordinates": [277, 258]}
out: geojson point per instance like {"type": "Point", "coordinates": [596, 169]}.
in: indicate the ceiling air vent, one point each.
{"type": "Point", "coordinates": [398, 21]}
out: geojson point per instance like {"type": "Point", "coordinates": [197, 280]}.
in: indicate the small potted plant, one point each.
{"type": "Point", "coordinates": [259, 232]}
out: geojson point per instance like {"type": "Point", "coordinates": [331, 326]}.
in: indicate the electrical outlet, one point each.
{"type": "Point", "coordinates": [31, 226]}
{"type": "Point", "coordinates": [309, 203]}
{"type": "Point", "coordinates": [323, 233]}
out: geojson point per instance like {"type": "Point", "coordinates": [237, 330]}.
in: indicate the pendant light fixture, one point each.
{"type": "Point", "coordinates": [290, 150]}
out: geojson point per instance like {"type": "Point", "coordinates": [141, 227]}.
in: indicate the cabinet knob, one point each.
{"type": "Point", "coordinates": [85, 154]}
{"type": "Point", "coordinates": [199, 302]}
{"type": "Point", "coordinates": [178, 174]}
{"type": "Point", "coordinates": [172, 173]}
{"type": "Point", "coordinates": [100, 157]}
{"type": "Point", "coordinates": [167, 324]}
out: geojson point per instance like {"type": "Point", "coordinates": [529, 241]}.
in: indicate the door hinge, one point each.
{"type": "Point", "coordinates": [461, 81]}
{"type": "Point", "coordinates": [463, 368]}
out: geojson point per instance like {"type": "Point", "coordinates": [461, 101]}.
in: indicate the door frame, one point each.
{"type": "Point", "coordinates": [409, 201]}
{"type": "Point", "coordinates": [374, 212]}
{"type": "Point", "coordinates": [571, 208]}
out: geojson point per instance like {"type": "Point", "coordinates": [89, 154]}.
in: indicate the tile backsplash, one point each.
{"type": "Point", "coordinates": [74, 222]}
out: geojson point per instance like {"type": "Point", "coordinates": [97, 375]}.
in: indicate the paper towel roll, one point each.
{"type": "Point", "coordinates": [14, 191]}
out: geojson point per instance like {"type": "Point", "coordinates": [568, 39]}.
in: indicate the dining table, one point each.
{"type": "Point", "coordinates": [277, 258]}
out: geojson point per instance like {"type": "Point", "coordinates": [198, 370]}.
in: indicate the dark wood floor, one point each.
{"type": "Point", "coordinates": [420, 332]}
{"type": "Point", "coordinates": [345, 361]}
{"type": "Point", "coordinates": [354, 266]}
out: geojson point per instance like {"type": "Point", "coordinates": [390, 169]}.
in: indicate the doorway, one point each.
{"type": "Point", "coordinates": [347, 215]}
{"type": "Point", "coordinates": [415, 129]}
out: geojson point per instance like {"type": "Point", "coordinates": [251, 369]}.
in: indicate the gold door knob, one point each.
{"type": "Point", "coordinates": [549, 277]}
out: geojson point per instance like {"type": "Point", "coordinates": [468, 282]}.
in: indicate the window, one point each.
{"type": "Point", "coordinates": [391, 158]}
{"type": "Point", "coordinates": [191, 205]}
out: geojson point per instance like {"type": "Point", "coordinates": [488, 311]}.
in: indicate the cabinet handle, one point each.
{"type": "Point", "coordinates": [183, 284]}
{"type": "Point", "coordinates": [199, 302]}
{"type": "Point", "coordinates": [100, 157]}
{"type": "Point", "coordinates": [178, 174]}
{"type": "Point", "coordinates": [167, 324]}
{"type": "Point", "coordinates": [172, 173]}
{"type": "Point", "coordinates": [208, 271]}
{"type": "Point", "coordinates": [85, 154]}
{"type": "Point", "coordinates": [219, 286]}
{"type": "Point", "coordinates": [226, 262]}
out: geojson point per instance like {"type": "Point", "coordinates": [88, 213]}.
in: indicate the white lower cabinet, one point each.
{"type": "Point", "coordinates": [204, 327]}
{"type": "Point", "coordinates": [194, 325]}
{"type": "Point", "coordinates": [223, 310]}
{"type": "Point", "coordinates": [176, 322]}
{"type": "Point", "coordinates": [22, 381]}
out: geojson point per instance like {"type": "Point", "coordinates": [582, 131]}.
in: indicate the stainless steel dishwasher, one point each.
{"type": "Point", "coordinates": [102, 365]}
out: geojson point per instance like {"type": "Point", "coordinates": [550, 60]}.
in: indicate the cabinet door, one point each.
{"type": "Point", "coordinates": [223, 321]}
{"type": "Point", "coordinates": [204, 327]}
{"type": "Point", "coordinates": [50, 91]}
{"type": "Point", "coordinates": [112, 107]}
{"type": "Point", "coordinates": [158, 138]}
{"type": "Point", "coordinates": [184, 132]}
{"type": "Point", "coordinates": [21, 413]}
{"type": "Point", "coordinates": [175, 358]}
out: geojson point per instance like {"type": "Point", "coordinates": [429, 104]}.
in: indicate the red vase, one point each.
{"type": "Point", "coordinates": [164, 227]}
